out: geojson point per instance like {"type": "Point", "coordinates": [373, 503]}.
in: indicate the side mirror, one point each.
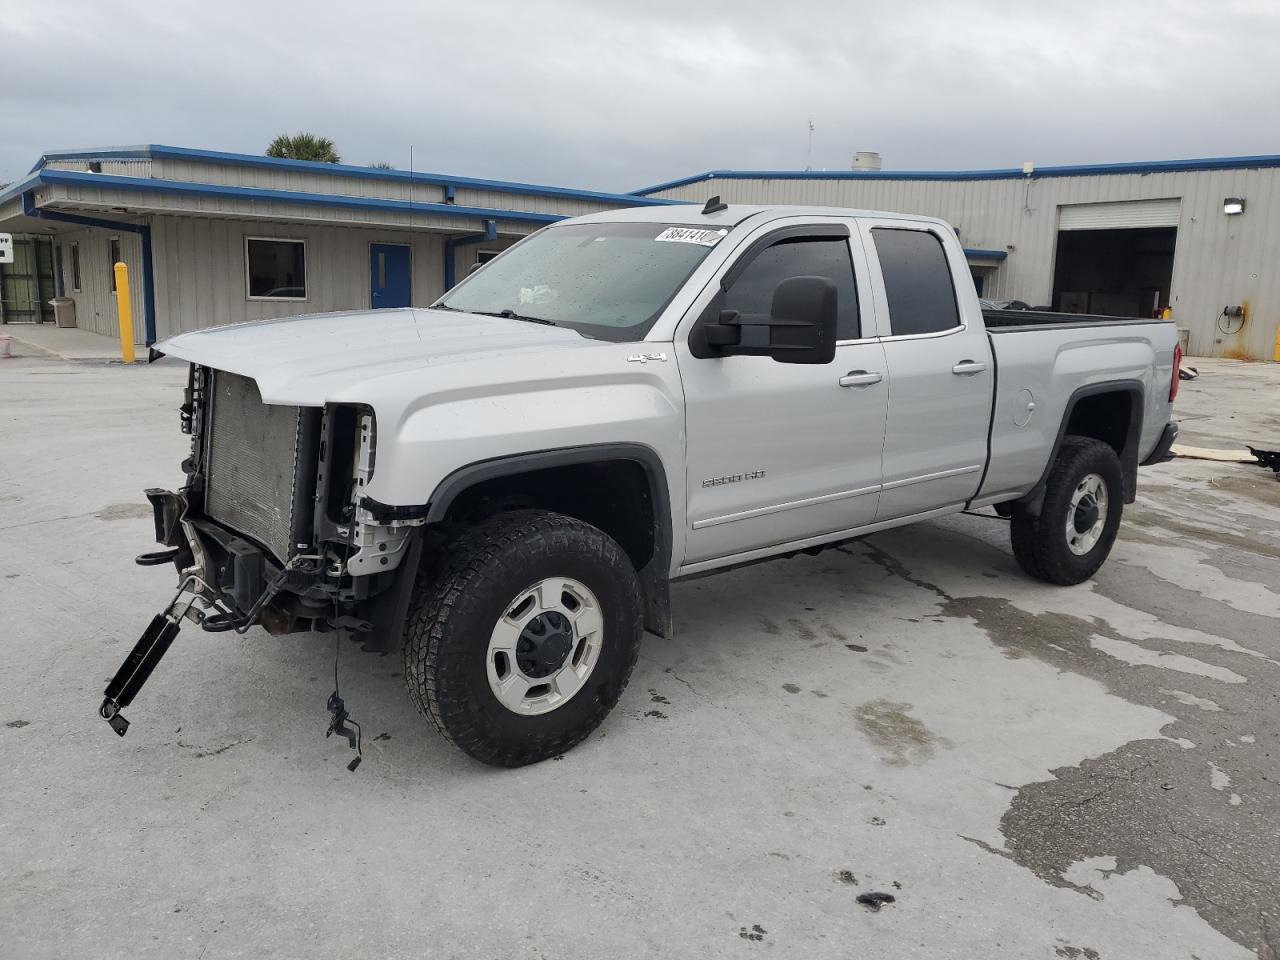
{"type": "Point", "coordinates": [800, 327]}
{"type": "Point", "coordinates": [474, 267]}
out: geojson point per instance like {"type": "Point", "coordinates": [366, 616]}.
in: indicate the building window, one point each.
{"type": "Point", "coordinates": [484, 256]}
{"type": "Point", "coordinates": [113, 256]}
{"type": "Point", "coordinates": [917, 282]}
{"type": "Point", "coordinates": [75, 267]}
{"type": "Point", "coordinates": [275, 269]}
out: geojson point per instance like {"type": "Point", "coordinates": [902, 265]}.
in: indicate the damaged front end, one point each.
{"type": "Point", "coordinates": [269, 528]}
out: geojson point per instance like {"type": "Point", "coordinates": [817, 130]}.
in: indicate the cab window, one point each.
{"type": "Point", "coordinates": [917, 281]}
{"type": "Point", "coordinates": [752, 290]}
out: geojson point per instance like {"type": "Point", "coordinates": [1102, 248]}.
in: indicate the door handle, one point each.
{"type": "Point", "coordinates": [860, 378]}
{"type": "Point", "coordinates": [968, 367]}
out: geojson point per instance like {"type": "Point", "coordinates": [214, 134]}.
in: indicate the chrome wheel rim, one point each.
{"type": "Point", "coordinates": [545, 646]}
{"type": "Point", "coordinates": [1087, 515]}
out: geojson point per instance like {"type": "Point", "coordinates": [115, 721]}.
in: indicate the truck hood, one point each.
{"type": "Point", "coordinates": [311, 360]}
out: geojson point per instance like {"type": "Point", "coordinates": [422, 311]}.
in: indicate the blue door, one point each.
{"type": "Point", "coordinates": [389, 284]}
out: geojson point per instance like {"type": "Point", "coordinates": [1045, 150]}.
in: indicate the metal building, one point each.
{"type": "Point", "coordinates": [214, 237]}
{"type": "Point", "coordinates": [1201, 237]}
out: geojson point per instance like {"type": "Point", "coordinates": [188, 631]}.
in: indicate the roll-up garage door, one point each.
{"type": "Point", "coordinates": [1128, 214]}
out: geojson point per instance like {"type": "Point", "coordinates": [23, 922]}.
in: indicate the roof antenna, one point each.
{"type": "Point", "coordinates": [714, 206]}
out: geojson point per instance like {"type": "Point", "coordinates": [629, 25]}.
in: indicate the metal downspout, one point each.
{"type": "Point", "coordinates": [452, 244]}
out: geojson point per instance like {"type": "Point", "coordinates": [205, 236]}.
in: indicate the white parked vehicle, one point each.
{"type": "Point", "coordinates": [510, 479]}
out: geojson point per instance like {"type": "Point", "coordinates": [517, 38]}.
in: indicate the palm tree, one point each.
{"type": "Point", "coordinates": [304, 146]}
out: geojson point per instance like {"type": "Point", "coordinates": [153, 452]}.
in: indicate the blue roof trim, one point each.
{"type": "Point", "coordinates": [1011, 173]}
{"type": "Point", "coordinates": [180, 187]}
{"type": "Point", "coordinates": [162, 152]}
{"type": "Point", "coordinates": [19, 187]}
{"type": "Point", "coordinates": [977, 253]}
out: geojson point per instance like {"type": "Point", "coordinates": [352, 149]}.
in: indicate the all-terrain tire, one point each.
{"type": "Point", "coordinates": [455, 607]}
{"type": "Point", "coordinates": [1040, 543]}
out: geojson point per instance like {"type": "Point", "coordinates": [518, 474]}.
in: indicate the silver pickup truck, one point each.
{"type": "Point", "coordinates": [506, 483]}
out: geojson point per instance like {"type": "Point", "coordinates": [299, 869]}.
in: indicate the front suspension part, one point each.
{"type": "Point", "coordinates": [147, 653]}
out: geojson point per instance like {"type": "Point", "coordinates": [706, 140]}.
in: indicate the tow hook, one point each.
{"type": "Point", "coordinates": [148, 651]}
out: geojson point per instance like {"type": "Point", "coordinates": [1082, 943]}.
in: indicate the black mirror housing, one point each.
{"type": "Point", "coordinates": [800, 327]}
{"type": "Point", "coordinates": [803, 321]}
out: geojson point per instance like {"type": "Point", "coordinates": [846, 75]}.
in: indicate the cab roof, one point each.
{"type": "Point", "coordinates": [736, 213]}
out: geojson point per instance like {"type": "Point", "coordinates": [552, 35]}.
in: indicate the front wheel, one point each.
{"type": "Point", "coordinates": [1080, 516]}
{"type": "Point", "coordinates": [519, 645]}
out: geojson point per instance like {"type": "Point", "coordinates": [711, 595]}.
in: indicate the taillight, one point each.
{"type": "Point", "coordinates": [1177, 366]}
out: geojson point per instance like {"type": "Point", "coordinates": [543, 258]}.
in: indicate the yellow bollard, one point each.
{"type": "Point", "coordinates": [124, 310]}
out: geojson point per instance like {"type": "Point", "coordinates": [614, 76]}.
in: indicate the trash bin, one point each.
{"type": "Point", "coordinates": [64, 311]}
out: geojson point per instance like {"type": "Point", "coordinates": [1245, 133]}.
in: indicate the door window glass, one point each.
{"type": "Point", "coordinates": [752, 291]}
{"type": "Point", "coordinates": [917, 281]}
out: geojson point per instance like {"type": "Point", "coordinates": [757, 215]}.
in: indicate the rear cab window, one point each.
{"type": "Point", "coordinates": [917, 281]}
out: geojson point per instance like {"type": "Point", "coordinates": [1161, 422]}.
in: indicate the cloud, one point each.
{"type": "Point", "coordinates": [616, 95]}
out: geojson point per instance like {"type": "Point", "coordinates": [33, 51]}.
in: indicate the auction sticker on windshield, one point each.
{"type": "Point", "coordinates": [706, 238]}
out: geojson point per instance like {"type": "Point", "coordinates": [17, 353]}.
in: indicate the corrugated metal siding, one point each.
{"type": "Point", "coordinates": [115, 168]}
{"type": "Point", "coordinates": [95, 303]}
{"type": "Point", "coordinates": [306, 181]}
{"type": "Point", "coordinates": [1127, 214]}
{"type": "Point", "coordinates": [1219, 260]}
{"type": "Point", "coordinates": [200, 269]}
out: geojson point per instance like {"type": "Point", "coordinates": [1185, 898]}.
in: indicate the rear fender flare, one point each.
{"type": "Point", "coordinates": [1033, 501]}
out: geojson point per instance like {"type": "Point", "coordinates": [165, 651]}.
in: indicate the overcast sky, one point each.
{"type": "Point", "coordinates": [616, 95]}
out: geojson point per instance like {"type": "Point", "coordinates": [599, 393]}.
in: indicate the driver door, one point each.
{"type": "Point", "coordinates": [781, 452]}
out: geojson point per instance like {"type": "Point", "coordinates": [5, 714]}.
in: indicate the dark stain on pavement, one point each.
{"type": "Point", "coordinates": [803, 630]}
{"type": "Point", "coordinates": [124, 511]}
{"type": "Point", "coordinates": [1151, 802]}
{"type": "Point", "coordinates": [790, 688]}
{"type": "Point", "coordinates": [1077, 953]}
{"type": "Point", "coordinates": [903, 738]}
{"type": "Point", "coordinates": [1200, 535]}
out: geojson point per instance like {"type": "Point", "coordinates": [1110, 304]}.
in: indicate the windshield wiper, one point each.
{"type": "Point", "coordinates": [512, 315]}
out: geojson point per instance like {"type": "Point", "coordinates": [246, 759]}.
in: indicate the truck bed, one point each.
{"type": "Point", "coordinates": [1000, 321]}
{"type": "Point", "coordinates": [1057, 356]}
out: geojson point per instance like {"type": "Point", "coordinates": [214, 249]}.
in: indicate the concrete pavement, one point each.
{"type": "Point", "coordinates": [1030, 771]}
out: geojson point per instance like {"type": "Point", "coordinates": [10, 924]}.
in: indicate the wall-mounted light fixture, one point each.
{"type": "Point", "coordinates": [1232, 206]}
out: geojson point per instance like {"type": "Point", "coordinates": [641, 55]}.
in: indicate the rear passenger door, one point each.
{"type": "Point", "coordinates": [941, 376]}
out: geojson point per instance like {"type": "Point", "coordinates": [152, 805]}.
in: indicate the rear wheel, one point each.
{"type": "Point", "coordinates": [1080, 516]}
{"type": "Point", "coordinates": [521, 642]}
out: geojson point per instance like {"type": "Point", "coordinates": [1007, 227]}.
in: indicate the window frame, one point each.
{"type": "Point", "coordinates": [739, 261]}
{"type": "Point", "coordinates": [74, 246]}
{"type": "Point", "coordinates": [962, 324]}
{"type": "Point", "coordinates": [306, 271]}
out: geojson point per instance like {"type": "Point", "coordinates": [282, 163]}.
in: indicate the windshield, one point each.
{"type": "Point", "coordinates": [606, 280]}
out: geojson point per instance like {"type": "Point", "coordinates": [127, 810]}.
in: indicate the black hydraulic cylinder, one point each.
{"type": "Point", "coordinates": [135, 670]}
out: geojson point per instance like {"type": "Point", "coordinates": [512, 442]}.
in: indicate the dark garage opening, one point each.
{"type": "Point", "coordinates": [1121, 273]}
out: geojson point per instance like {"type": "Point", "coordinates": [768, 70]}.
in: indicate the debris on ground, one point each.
{"type": "Point", "coordinates": [1209, 453]}
{"type": "Point", "coordinates": [875, 900]}
{"type": "Point", "coordinates": [1268, 458]}
{"type": "Point", "coordinates": [1188, 373]}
